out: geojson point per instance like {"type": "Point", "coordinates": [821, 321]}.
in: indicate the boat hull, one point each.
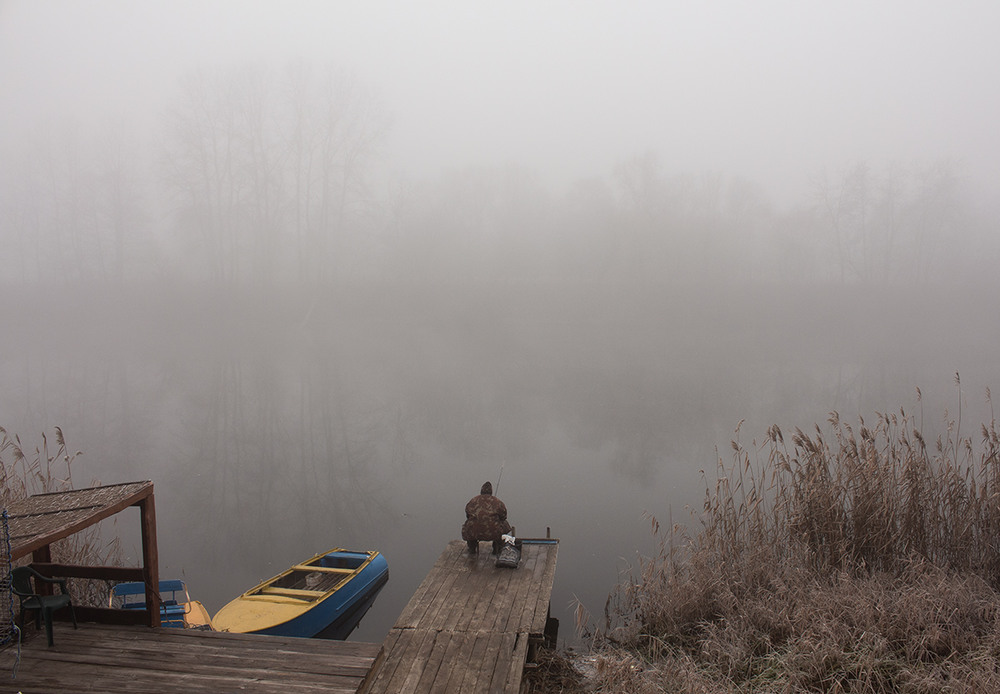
{"type": "Point", "coordinates": [342, 627]}
{"type": "Point", "coordinates": [288, 606]}
{"type": "Point", "coordinates": [196, 616]}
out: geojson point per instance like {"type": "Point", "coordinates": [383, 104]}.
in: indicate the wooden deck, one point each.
{"type": "Point", "coordinates": [141, 660]}
{"type": "Point", "coordinates": [470, 627]}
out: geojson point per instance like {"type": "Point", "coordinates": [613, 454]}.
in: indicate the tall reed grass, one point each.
{"type": "Point", "coordinates": [855, 558]}
{"type": "Point", "coordinates": [24, 472]}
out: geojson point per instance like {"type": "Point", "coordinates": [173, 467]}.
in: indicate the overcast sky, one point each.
{"type": "Point", "coordinates": [775, 91]}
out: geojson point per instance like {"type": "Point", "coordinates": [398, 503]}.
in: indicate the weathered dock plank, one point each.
{"type": "Point", "coordinates": [469, 624]}
{"type": "Point", "coordinates": [427, 592]}
{"type": "Point", "coordinates": [141, 660]}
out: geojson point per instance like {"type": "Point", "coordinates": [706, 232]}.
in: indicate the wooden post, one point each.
{"type": "Point", "coordinates": [150, 562]}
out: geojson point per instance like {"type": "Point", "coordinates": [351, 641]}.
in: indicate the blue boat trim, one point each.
{"type": "Point", "coordinates": [340, 605]}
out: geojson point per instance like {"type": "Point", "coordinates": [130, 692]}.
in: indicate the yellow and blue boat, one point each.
{"type": "Point", "coordinates": [317, 597]}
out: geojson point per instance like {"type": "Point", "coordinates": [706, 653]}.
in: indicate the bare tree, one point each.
{"type": "Point", "coordinates": [890, 226]}
{"type": "Point", "coordinates": [53, 211]}
{"type": "Point", "coordinates": [862, 210]}
{"type": "Point", "coordinates": [202, 169]}
{"type": "Point", "coordinates": [268, 171]}
{"type": "Point", "coordinates": [642, 245]}
{"type": "Point", "coordinates": [934, 212]}
{"type": "Point", "coordinates": [334, 128]}
{"type": "Point", "coordinates": [120, 174]}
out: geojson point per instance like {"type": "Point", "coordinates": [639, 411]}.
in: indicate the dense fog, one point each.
{"type": "Point", "coordinates": [319, 270]}
{"type": "Point", "coordinates": [232, 144]}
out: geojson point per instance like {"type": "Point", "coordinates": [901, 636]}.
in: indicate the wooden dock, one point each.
{"type": "Point", "coordinates": [470, 626]}
{"type": "Point", "coordinates": [140, 660]}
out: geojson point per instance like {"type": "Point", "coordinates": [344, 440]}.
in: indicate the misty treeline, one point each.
{"type": "Point", "coordinates": [255, 176]}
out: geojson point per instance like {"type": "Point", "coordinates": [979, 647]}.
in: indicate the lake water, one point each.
{"type": "Point", "coordinates": [278, 425]}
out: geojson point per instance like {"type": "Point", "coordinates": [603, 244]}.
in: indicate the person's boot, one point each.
{"type": "Point", "coordinates": [473, 546]}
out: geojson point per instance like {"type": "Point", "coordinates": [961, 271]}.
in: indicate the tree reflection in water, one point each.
{"type": "Point", "coordinates": [369, 423]}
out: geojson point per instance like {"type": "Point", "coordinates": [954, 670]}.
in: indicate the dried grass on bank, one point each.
{"type": "Point", "coordinates": [855, 560]}
{"type": "Point", "coordinates": [554, 674]}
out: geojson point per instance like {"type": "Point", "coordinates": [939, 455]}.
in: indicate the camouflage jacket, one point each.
{"type": "Point", "coordinates": [486, 518]}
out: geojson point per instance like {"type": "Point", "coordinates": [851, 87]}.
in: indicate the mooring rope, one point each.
{"type": "Point", "coordinates": [13, 631]}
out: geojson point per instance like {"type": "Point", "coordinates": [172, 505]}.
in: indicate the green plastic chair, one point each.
{"type": "Point", "coordinates": [44, 605]}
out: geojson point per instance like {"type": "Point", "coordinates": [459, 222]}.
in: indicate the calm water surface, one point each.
{"type": "Point", "coordinates": [275, 428]}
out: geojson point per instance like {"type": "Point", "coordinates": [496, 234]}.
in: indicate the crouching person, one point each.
{"type": "Point", "coordinates": [485, 519]}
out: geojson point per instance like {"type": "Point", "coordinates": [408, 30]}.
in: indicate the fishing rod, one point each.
{"type": "Point", "coordinates": [499, 477]}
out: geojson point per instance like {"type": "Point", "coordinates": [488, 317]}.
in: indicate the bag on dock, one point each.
{"type": "Point", "coordinates": [510, 555]}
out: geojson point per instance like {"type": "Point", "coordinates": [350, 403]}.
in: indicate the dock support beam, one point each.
{"type": "Point", "coordinates": [150, 561]}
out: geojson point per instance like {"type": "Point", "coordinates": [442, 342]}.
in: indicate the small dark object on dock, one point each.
{"type": "Point", "coordinates": [510, 555]}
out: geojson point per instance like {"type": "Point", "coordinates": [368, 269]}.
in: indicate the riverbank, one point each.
{"type": "Point", "coordinates": [923, 632]}
{"type": "Point", "coordinates": [857, 558]}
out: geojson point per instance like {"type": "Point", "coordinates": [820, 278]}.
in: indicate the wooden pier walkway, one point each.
{"type": "Point", "coordinates": [140, 660]}
{"type": "Point", "coordinates": [470, 626]}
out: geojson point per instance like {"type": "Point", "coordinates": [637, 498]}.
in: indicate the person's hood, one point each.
{"type": "Point", "coordinates": [487, 488]}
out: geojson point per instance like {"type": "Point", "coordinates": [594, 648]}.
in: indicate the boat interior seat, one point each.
{"type": "Point", "coordinates": [343, 560]}
{"type": "Point", "coordinates": [324, 569]}
{"type": "Point", "coordinates": [133, 595]}
{"type": "Point", "coordinates": [292, 592]}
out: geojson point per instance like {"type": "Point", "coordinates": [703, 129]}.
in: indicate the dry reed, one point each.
{"type": "Point", "coordinates": [860, 559]}
{"type": "Point", "coordinates": [25, 473]}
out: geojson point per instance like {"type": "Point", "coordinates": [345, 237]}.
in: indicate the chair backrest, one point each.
{"type": "Point", "coordinates": [20, 580]}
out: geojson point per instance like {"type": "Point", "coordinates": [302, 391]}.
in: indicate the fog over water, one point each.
{"type": "Point", "coordinates": [319, 270]}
